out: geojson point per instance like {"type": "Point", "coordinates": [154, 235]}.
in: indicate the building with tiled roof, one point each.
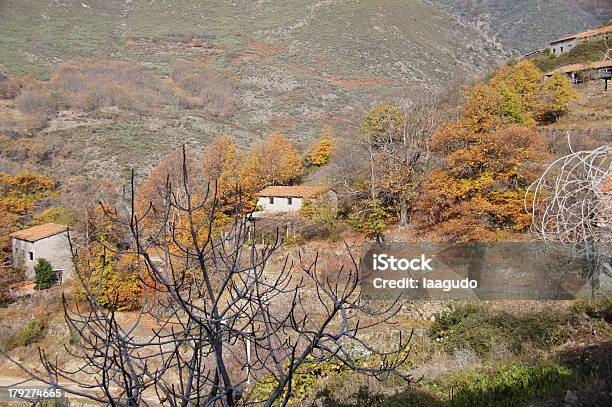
{"type": "Point", "coordinates": [295, 191]}
{"type": "Point", "coordinates": [566, 44]}
{"type": "Point", "coordinates": [582, 67]}
{"type": "Point", "coordinates": [586, 72]}
{"type": "Point", "coordinates": [49, 241]}
{"type": "Point", "coordinates": [39, 232]}
{"type": "Point", "coordinates": [286, 199]}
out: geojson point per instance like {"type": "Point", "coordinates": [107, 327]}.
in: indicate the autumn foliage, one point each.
{"type": "Point", "coordinates": [20, 196]}
{"type": "Point", "coordinates": [492, 154]}
{"type": "Point", "coordinates": [480, 188]}
{"type": "Point", "coordinates": [320, 153]}
{"type": "Point", "coordinates": [275, 161]}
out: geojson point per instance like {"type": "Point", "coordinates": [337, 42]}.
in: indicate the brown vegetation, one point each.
{"type": "Point", "coordinates": [9, 88]}
{"type": "Point", "coordinates": [94, 84]}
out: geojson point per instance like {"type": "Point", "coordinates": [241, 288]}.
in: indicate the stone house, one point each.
{"type": "Point", "coordinates": [277, 200]}
{"type": "Point", "coordinates": [48, 241]}
{"type": "Point", "coordinates": [566, 44]}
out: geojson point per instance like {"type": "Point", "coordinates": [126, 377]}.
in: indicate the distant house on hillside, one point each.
{"type": "Point", "coordinates": [279, 200]}
{"type": "Point", "coordinates": [586, 72]}
{"type": "Point", "coordinates": [566, 44]}
{"type": "Point", "coordinates": [48, 241]}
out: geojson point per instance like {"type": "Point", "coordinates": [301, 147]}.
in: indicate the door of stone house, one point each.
{"type": "Point", "coordinates": [58, 275]}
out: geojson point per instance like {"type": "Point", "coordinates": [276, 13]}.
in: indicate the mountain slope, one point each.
{"type": "Point", "coordinates": [524, 25]}
{"type": "Point", "coordinates": [296, 66]}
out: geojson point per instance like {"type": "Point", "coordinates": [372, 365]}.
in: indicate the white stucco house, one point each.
{"type": "Point", "coordinates": [48, 241]}
{"type": "Point", "coordinates": [289, 199]}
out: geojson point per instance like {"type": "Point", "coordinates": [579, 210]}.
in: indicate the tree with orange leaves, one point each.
{"type": "Point", "coordinates": [220, 164]}
{"type": "Point", "coordinates": [478, 192]}
{"type": "Point", "coordinates": [153, 193]}
{"type": "Point", "coordinates": [492, 154]}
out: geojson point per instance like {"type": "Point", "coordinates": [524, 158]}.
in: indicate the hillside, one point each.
{"type": "Point", "coordinates": [295, 66]}
{"type": "Point", "coordinates": [521, 26]}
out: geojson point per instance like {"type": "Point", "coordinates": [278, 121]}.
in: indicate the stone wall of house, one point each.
{"type": "Point", "coordinates": [562, 46]}
{"type": "Point", "coordinates": [56, 249]}
{"type": "Point", "coordinates": [21, 257]}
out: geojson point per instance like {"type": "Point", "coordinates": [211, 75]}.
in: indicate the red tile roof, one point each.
{"type": "Point", "coordinates": [299, 191]}
{"type": "Point", "coordinates": [39, 232]}
{"type": "Point", "coordinates": [582, 67]}
{"type": "Point", "coordinates": [586, 34]}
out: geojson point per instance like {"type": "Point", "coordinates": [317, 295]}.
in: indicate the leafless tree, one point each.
{"type": "Point", "coordinates": [572, 201]}
{"type": "Point", "coordinates": [399, 157]}
{"type": "Point", "coordinates": [607, 54]}
{"type": "Point", "coordinates": [227, 313]}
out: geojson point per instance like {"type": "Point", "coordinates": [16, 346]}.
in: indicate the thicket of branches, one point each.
{"type": "Point", "coordinates": [571, 203]}
{"type": "Point", "coordinates": [226, 314]}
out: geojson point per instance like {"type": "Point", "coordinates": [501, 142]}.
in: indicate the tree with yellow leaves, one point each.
{"type": "Point", "coordinates": [555, 94]}
{"type": "Point", "coordinates": [274, 161]}
{"type": "Point", "coordinates": [321, 152]}
{"type": "Point", "coordinates": [220, 164]}
{"type": "Point", "coordinates": [518, 84]}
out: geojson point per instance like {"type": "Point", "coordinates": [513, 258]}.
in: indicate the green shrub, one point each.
{"type": "Point", "coordinates": [43, 274]}
{"type": "Point", "coordinates": [598, 309]}
{"type": "Point", "coordinates": [372, 219]}
{"type": "Point", "coordinates": [512, 385]}
{"type": "Point", "coordinates": [32, 333]}
{"type": "Point", "coordinates": [467, 326]}
{"type": "Point", "coordinates": [304, 380]}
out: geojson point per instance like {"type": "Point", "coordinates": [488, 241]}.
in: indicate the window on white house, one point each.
{"type": "Point", "coordinates": [31, 254]}
{"type": "Point", "coordinates": [554, 50]}
{"type": "Point", "coordinates": [561, 49]}
{"type": "Point", "coordinates": [289, 201]}
{"type": "Point", "coordinates": [271, 200]}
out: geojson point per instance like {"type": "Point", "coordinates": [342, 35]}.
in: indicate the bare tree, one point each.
{"type": "Point", "coordinates": [572, 202]}
{"type": "Point", "coordinates": [227, 314]}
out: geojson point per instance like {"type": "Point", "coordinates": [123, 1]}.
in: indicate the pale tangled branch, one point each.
{"type": "Point", "coordinates": [572, 201]}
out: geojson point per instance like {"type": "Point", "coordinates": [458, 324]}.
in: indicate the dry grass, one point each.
{"type": "Point", "coordinates": [204, 87]}
{"type": "Point", "coordinates": [98, 84]}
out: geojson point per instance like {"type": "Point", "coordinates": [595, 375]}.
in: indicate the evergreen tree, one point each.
{"type": "Point", "coordinates": [43, 274]}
